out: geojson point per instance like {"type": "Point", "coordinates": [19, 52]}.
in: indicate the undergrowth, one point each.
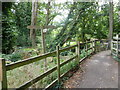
{"type": "Point", "coordinates": [25, 73]}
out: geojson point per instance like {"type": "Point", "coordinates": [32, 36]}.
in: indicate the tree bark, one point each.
{"type": "Point", "coordinates": [110, 35]}
{"type": "Point", "coordinates": [110, 21]}
{"type": "Point", "coordinates": [33, 22]}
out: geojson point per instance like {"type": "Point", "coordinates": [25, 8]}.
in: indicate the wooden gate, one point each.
{"type": "Point", "coordinates": [115, 46]}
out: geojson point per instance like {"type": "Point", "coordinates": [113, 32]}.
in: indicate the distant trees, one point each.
{"type": "Point", "coordinates": [16, 18]}
{"type": "Point", "coordinates": [8, 35]}
{"type": "Point", "coordinates": [116, 19]}
{"type": "Point", "coordinates": [85, 21]}
{"type": "Point", "coordinates": [22, 18]}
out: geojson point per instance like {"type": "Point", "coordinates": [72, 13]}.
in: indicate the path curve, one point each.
{"type": "Point", "coordinates": [99, 71]}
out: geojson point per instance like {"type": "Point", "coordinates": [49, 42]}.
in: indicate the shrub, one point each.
{"type": "Point", "coordinates": [16, 56]}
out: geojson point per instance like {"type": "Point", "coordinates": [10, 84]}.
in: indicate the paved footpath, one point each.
{"type": "Point", "coordinates": [99, 71]}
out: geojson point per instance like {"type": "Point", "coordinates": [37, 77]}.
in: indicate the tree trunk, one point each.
{"type": "Point", "coordinates": [110, 21]}
{"type": "Point", "coordinates": [57, 40]}
{"type": "Point", "coordinates": [65, 35]}
{"type": "Point", "coordinates": [33, 22]}
{"type": "Point", "coordinates": [110, 24]}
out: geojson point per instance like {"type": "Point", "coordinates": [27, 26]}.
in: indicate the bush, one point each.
{"type": "Point", "coordinates": [16, 56]}
{"type": "Point", "coordinates": [65, 53]}
{"type": "Point", "coordinates": [21, 53]}
{"type": "Point", "coordinates": [6, 57]}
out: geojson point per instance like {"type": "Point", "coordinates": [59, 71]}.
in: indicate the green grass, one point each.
{"type": "Point", "coordinates": [25, 73]}
{"type": "Point", "coordinates": [20, 54]}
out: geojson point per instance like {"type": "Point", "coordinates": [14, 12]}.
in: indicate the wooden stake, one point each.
{"type": "Point", "coordinates": [3, 75]}
{"type": "Point", "coordinates": [58, 63]}
{"type": "Point", "coordinates": [43, 48]}
{"type": "Point", "coordinates": [111, 46]}
{"type": "Point", "coordinates": [117, 46]}
{"type": "Point", "coordinates": [86, 49]}
{"type": "Point", "coordinates": [94, 46]}
{"type": "Point", "coordinates": [78, 51]}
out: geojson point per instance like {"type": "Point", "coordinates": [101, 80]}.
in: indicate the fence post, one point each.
{"type": "Point", "coordinates": [3, 74]}
{"type": "Point", "coordinates": [78, 51]}
{"type": "Point", "coordinates": [99, 46]}
{"type": "Point", "coordinates": [117, 46]}
{"type": "Point", "coordinates": [58, 63]}
{"type": "Point", "coordinates": [111, 47]}
{"type": "Point", "coordinates": [86, 49]}
{"type": "Point", "coordinates": [94, 46]}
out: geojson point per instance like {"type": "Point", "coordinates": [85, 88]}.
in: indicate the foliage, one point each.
{"type": "Point", "coordinates": [20, 54]}
{"type": "Point", "coordinates": [8, 31]}
{"type": "Point", "coordinates": [84, 21]}
{"type": "Point", "coordinates": [16, 18]}
{"type": "Point", "coordinates": [22, 15]}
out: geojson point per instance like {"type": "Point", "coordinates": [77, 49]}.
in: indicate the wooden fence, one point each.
{"type": "Point", "coordinates": [4, 68]}
{"type": "Point", "coordinates": [115, 46]}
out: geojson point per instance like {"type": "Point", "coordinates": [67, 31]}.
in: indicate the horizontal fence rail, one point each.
{"type": "Point", "coordinates": [4, 68]}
